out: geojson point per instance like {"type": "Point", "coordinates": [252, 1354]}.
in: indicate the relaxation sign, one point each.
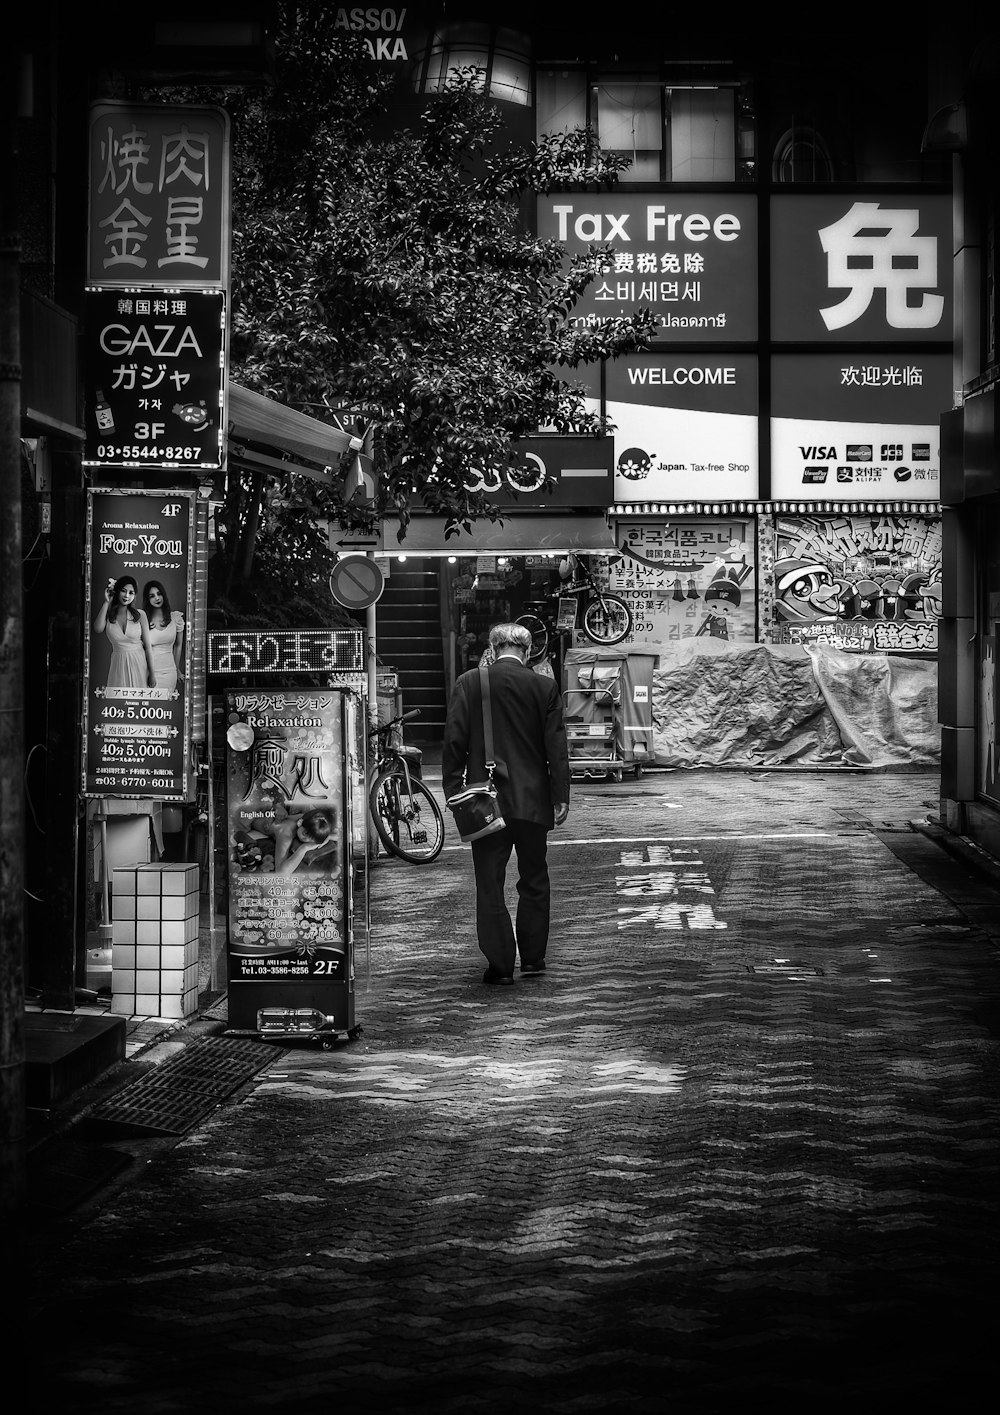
{"type": "Point", "coordinates": [139, 605]}
{"type": "Point", "coordinates": [288, 835]}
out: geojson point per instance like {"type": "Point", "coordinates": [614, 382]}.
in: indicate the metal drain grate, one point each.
{"type": "Point", "coordinates": [175, 1096]}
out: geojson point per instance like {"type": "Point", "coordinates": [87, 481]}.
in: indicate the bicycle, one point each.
{"type": "Point", "coordinates": [408, 820]}
{"type": "Point", "coordinates": [606, 619]}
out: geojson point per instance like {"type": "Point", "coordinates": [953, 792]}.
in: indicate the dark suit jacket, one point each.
{"type": "Point", "coordinates": [529, 738]}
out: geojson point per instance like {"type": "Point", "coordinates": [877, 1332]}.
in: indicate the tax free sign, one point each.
{"type": "Point", "coordinates": [859, 269]}
{"type": "Point", "coordinates": [692, 260]}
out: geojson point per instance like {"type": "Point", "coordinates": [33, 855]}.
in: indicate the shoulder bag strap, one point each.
{"type": "Point", "coordinates": [484, 683]}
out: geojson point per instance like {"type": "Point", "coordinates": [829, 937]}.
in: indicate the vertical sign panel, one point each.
{"type": "Point", "coordinates": [155, 384]}
{"type": "Point", "coordinates": [159, 195]}
{"type": "Point", "coordinates": [288, 838]}
{"type": "Point", "coordinates": [138, 651]}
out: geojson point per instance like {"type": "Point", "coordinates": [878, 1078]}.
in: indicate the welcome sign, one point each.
{"type": "Point", "coordinates": [686, 426]}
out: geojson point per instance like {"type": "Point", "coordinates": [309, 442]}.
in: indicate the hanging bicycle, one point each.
{"type": "Point", "coordinates": [605, 620]}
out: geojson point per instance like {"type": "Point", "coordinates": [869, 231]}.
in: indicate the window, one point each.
{"type": "Point", "coordinates": [801, 155]}
{"type": "Point", "coordinates": [702, 134]}
{"type": "Point", "coordinates": [504, 55]}
{"type": "Point", "coordinates": [629, 119]}
{"type": "Point", "coordinates": [672, 133]}
{"type": "Point", "coordinates": [560, 100]}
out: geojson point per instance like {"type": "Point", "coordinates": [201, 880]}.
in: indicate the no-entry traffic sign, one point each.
{"type": "Point", "coordinates": [356, 582]}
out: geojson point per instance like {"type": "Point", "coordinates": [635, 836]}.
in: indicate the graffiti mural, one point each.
{"type": "Point", "coordinates": [860, 582]}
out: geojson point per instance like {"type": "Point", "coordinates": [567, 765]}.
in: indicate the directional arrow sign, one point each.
{"type": "Point", "coordinates": [349, 542]}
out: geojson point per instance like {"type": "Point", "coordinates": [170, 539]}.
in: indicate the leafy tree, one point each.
{"type": "Point", "coordinates": [395, 278]}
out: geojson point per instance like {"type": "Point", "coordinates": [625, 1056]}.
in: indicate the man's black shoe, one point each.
{"type": "Point", "coordinates": [530, 968]}
{"type": "Point", "coordinates": [504, 980]}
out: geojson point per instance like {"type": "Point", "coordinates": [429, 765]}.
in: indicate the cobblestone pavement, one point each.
{"type": "Point", "coordinates": [740, 1145]}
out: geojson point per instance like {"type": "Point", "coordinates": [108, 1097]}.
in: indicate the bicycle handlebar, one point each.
{"type": "Point", "coordinates": [394, 721]}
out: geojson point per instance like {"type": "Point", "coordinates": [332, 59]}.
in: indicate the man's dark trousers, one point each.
{"type": "Point", "coordinates": [490, 855]}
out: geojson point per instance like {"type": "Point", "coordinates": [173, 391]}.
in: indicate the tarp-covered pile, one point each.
{"type": "Point", "coordinates": [730, 704]}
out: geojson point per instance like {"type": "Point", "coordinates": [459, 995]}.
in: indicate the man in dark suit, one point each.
{"type": "Point", "coordinates": [532, 781]}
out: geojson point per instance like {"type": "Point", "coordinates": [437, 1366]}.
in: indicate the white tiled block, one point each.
{"type": "Point", "coordinates": [147, 906]}
{"type": "Point", "coordinates": [178, 931]}
{"type": "Point", "coordinates": [123, 1004]}
{"type": "Point", "coordinates": [123, 881]}
{"type": "Point", "coordinates": [175, 906]}
{"type": "Point", "coordinates": [122, 956]}
{"type": "Point", "coordinates": [147, 980]}
{"type": "Point", "coordinates": [122, 905]}
{"type": "Point", "coordinates": [123, 931]}
{"type": "Point", "coordinates": [122, 980]}
{"type": "Point", "coordinates": [147, 1004]}
{"type": "Point", "coordinates": [147, 955]}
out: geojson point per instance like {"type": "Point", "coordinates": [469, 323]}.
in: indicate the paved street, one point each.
{"type": "Point", "coordinates": [739, 1146]}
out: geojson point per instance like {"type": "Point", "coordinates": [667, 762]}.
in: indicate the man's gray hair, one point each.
{"type": "Point", "coordinates": [510, 636]}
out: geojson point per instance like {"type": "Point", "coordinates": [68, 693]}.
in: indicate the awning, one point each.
{"type": "Point", "coordinates": [269, 436]}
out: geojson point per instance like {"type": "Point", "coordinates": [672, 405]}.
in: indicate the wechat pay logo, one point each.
{"type": "Point", "coordinates": [870, 250]}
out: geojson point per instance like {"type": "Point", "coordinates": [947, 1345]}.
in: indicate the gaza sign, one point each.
{"type": "Point", "coordinates": [692, 260]}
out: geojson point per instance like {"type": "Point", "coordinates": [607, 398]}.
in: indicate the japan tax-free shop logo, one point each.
{"type": "Point", "coordinates": [860, 270]}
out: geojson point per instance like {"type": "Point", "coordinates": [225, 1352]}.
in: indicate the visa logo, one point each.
{"type": "Point", "coordinates": [818, 454]}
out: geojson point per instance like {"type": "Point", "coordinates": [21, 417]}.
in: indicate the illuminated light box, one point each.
{"type": "Point", "coordinates": [286, 651]}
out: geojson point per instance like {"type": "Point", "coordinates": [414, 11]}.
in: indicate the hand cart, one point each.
{"type": "Point", "coordinates": [593, 733]}
{"type": "Point", "coordinates": [609, 709]}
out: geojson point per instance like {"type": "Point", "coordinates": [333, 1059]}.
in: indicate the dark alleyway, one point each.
{"type": "Point", "coordinates": [739, 1146]}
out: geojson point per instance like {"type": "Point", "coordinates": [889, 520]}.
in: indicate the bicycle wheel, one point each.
{"type": "Point", "coordinates": [607, 620]}
{"type": "Point", "coordinates": [409, 823]}
{"type": "Point", "coordinates": [539, 635]}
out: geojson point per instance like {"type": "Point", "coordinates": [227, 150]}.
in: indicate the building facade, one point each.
{"type": "Point", "coordinates": [814, 227]}
{"type": "Point", "coordinates": [774, 473]}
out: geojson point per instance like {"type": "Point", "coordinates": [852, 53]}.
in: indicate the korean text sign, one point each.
{"type": "Point", "coordinates": [861, 268]}
{"type": "Point", "coordinates": [137, 658]}
{"type": "Point", "coordinates": [155, 390]}
{"type": "Point", "coordinates": [159, 195]}
{"type": "Point", "coordinates": [287, 835]}
{"type": "Point", "coordinates": [692, 260]}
